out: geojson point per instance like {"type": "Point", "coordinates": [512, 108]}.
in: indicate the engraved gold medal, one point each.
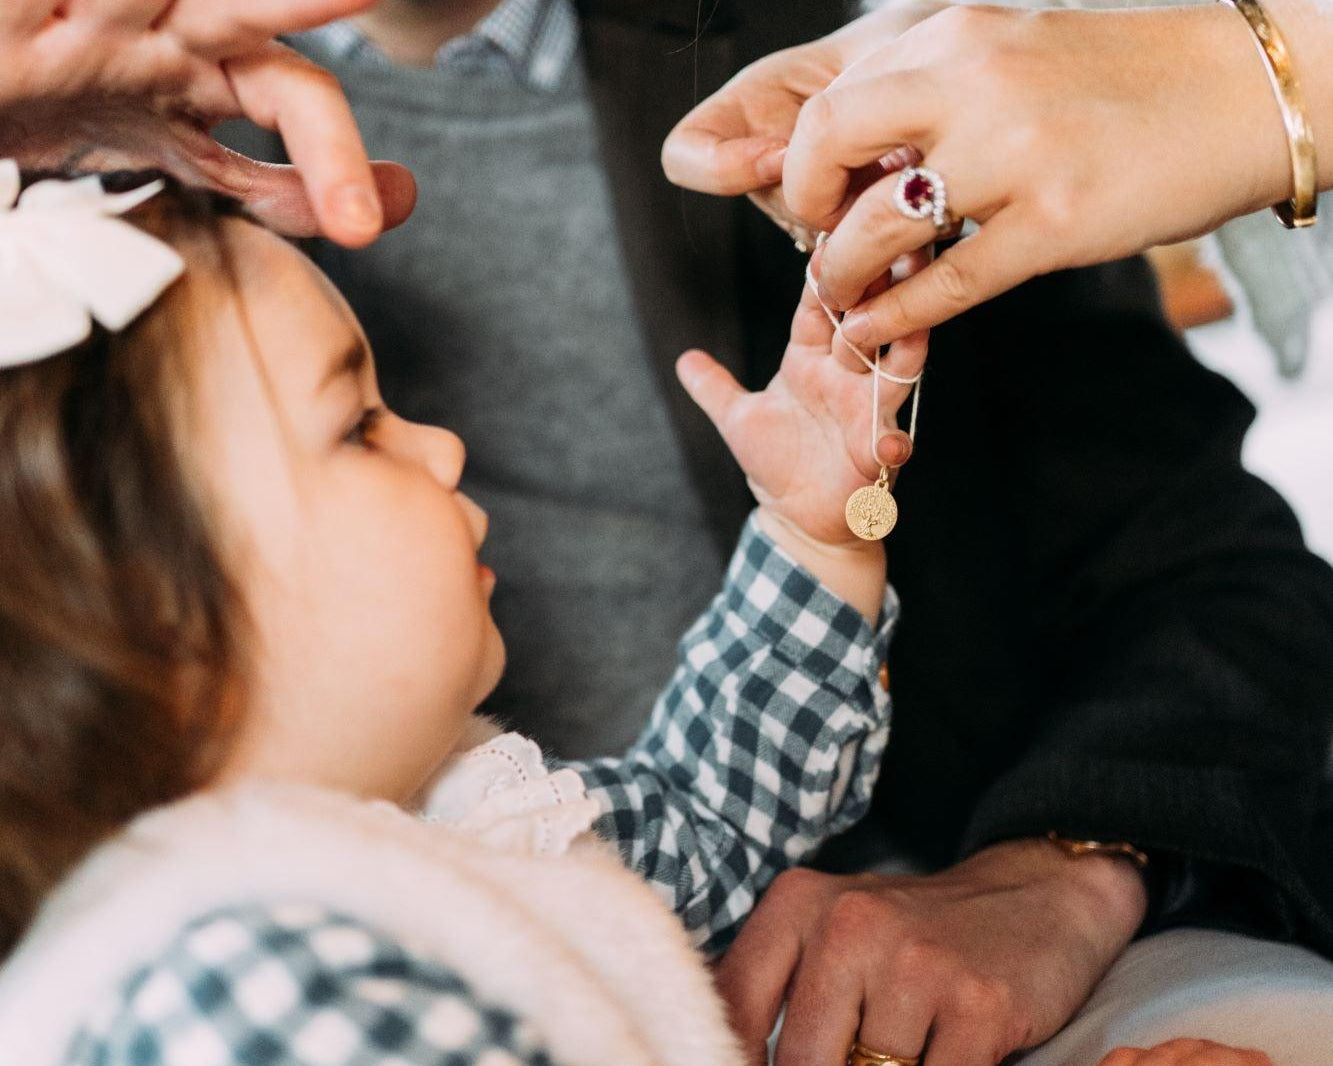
{"type": "Point", "coordinates": [872, 512]}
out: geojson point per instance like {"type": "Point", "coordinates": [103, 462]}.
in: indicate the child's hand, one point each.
{"type": "Point", "coordinates": [1186, 1053]}
{"type": "Point", "coordinates": [804, 442]}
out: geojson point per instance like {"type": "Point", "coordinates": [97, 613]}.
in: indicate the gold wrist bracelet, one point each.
{"type": "Point", "coordinates": [1299, 211]}
{"type": "Point", "coordinates": [1078, 848]}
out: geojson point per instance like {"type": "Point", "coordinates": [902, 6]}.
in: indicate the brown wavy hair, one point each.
{"type": "Point", "coordinates": [120, 628]}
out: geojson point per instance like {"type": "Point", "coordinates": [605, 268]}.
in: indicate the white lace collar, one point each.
{"type": "Point", "coordinates": [501, 793]}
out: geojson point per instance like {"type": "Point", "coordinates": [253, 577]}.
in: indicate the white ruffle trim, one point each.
{"type": "Point", "coordinates": [502, 794]}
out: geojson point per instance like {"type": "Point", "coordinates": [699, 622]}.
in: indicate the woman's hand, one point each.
{"type": "Point", "coordinates": [1072, 137]}
{"type": "Point", "coordinates": [141, 81]}
{"type": "Point", "coordinates": [736, 140]}
{"type": "Point", "coordinates": [1186, 1053]}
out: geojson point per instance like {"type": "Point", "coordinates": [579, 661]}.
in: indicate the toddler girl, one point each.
{"type": "Point", "coordinates": [246, 813]}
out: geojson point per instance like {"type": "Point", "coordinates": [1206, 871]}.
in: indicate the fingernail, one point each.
{"type": "Point", "coordinates": [359, 206]}
{"type": "Point", "coordinates": [856, 327]}
{"type": "Point", "coordinates": [894, 448]}
{"type": "Point", "coordinates": [768, 167]}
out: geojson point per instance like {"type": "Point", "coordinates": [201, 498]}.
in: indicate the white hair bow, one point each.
{"type": "Point", "coordinates": [66, 259]}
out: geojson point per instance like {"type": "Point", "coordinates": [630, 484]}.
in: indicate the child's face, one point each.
{"type": "Point", "coordinates": [355, 551]}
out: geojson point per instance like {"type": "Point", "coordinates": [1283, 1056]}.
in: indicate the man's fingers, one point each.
{"type": "Point", "coordinates": [710, 385]}
{"type": "Point", "coordinates": [281, 91]}
{"type": "Point", "coordinates": [896, 1019]}
{"type": "Point", "coordinates": [700, 157]}
{"type": "Point", "coordinates": [24, 16]}
{"type": "Point", "coordinates": [823, 1009]}
{"type": "Point", "coordinates": [846, 128]}
{"type": "Point", "coordinates": [991, 261]}
{"type": "Point", "coordinates": [754, 974]}
{"type": "Point", "coordinates": [239, 25]}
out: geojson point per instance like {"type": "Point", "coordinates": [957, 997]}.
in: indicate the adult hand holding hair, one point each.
{"type": "Point", "coordinates": [1072, 137]}
{"type": "Point", "coordinates": [144, 80]}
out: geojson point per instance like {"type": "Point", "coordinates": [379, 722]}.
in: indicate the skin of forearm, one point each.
{"type": "Point", "coordinates": [855, 573]}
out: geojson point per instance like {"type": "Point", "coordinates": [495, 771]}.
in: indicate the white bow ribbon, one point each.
{"type": "Point", "coordinates": [66, 259]}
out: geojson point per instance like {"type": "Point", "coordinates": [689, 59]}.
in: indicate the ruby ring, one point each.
{"type": "Point", "coordinates": [920, 194]}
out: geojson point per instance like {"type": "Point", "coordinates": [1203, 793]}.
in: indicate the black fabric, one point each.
{"type": "Point", "coordinates": [1109, 628]}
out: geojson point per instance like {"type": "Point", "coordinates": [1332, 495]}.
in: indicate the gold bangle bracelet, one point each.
{"type": "Point", "coordinates": [1299, 211]}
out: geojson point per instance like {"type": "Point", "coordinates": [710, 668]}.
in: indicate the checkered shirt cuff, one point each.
{"type": "Point", "coordinates": [766, 742]}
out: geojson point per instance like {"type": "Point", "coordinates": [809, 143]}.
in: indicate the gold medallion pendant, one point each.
{"type": "Point", "coordinates": [872, 512]}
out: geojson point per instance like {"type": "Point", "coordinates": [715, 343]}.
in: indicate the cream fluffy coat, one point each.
{"type": "Point", "coordinates": [572, 942]}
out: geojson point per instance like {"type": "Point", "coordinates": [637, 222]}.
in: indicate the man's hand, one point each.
{"type": "Point", "coordinates": [143, 80]}
{"type": "Point", "coordinates": [1186, 1053]}
{"type": "Point", "coordinates": [966, 966]}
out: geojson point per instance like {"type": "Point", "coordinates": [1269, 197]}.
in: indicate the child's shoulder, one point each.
{"type": "Point", "coordinates": [281, 983]}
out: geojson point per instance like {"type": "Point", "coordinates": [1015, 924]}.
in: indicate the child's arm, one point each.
{"type": "Point", "coordinates": [768, 739]}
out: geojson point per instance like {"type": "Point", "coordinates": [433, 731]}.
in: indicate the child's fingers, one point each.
{"type": "Point", "coordinates": [906, 357]}
{"type": "Point", "coordinates": [893, 449]}
{"type": "Point", "coordinates": [810, 326]}
{"type": "Point", "coordinates": [710, 385]}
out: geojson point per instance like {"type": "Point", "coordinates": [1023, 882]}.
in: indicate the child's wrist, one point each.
{"type": "Point", "coordinates": [853, 571]}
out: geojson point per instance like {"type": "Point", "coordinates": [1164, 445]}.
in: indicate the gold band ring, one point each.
{"type": "Point", "coordinates": [860, 1055]}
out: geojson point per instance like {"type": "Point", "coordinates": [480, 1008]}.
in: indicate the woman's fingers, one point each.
{"type": "Point", "coordinates": [716, 160]}
{"type": "Point", "coordinates": [281, 91]}
{"type": "Point", "coordinates": [875, 232]}
{"type": "Point", "coordinates": [993, 260]}
{"type": "Point", "coordinates": [844, 129]}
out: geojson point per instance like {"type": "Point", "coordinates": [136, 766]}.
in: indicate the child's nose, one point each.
{"type": "Point", "coordinates": [440, 451]}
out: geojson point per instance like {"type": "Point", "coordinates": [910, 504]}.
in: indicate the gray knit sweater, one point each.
{"type": "Point", "coordinates": [502, 311]}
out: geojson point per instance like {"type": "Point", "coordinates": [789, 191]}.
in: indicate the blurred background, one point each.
{"type": "Point", "coordinates": [1291, 444]}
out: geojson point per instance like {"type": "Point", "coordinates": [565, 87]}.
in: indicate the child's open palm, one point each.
{"type": "Point", "coordinates": [804, 441]}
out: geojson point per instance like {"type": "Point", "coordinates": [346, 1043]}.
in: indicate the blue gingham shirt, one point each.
{"type": "Point", "coordinates": [766, 741]}
{"type": "Point", "coordinates": [535, 39]}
